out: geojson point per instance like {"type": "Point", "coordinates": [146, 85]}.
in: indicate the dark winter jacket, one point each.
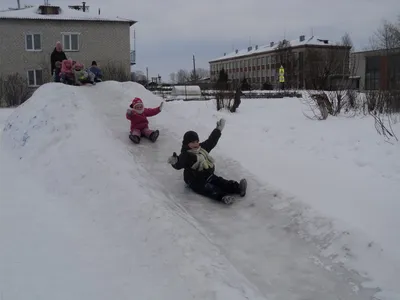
{"type": "Point", "coordinates": [187, 159]}
{"type": "Point", "coordinates": [56, 56]}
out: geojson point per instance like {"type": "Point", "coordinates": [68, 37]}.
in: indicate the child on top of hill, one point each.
{"type": "Point", "coordinates": [82, 76]}
{"type": "Point", "coordinates": [67, 73]}
{"type": "Point", "coordinates": [137, 114]}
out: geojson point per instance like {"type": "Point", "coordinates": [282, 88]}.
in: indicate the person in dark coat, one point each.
{"type": "Point", "coordinates": [199, 167]}
{"type": "Point", "coordinates": [57, 55]}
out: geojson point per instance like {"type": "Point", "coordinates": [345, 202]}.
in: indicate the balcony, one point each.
{"type": "Point", "coordinates": [133, 57]}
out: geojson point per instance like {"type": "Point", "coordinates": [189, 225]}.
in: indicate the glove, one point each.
{"type": "Point", "coordinates": [221, 124]}
{"type": "Point", "coordinates": [161, 106]}
{"type": "Point", "coordinates": [172, 160]}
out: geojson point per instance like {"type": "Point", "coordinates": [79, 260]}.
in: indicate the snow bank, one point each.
{"type": "Point", "coordinates": [343, 172]}
{"type": "Point", "coordinates": [4, 113]}
{"type": "Point", "coordinates": [80, 220]}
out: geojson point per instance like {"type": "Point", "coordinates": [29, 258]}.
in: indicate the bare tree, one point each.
{"type": "Point", "coordinates": [172, 77]}
{"type": "Point", "coordinates": [202, 73]}
{"type": "Point", "coordinates": [182, 76]}
{"type": "Point", "coordinates": [383, 103]}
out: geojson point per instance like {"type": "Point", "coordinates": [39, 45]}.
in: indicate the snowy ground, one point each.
{"type": "Point", "coordinates": [4, 114]}
{"type": "Point", "coordinates": [319, 221]}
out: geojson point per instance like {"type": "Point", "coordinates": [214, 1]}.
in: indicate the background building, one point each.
{"type": "Point", "coordinates": [28, 36]}
{"type": "Point", "coordinates": [302, 59]}
{"type": "Point", "coordinates": [377, 69]}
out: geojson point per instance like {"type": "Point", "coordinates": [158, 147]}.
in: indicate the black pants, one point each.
{"type": "Point", "coordinates": [216, 187]}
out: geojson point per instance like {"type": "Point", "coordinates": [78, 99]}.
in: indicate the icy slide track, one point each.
{"type": "Point", "coordinates": [96, 217]}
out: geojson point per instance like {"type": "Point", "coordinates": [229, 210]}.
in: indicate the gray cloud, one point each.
{"type": "Point", "coordinates": [169, 32]}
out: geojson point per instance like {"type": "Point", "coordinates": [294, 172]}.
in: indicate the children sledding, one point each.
{"type": "Point", "coordinates": [199, 167]}
{"type": "Point", "coordinates": [137, 114]}
{"type": "Point", "coordinates": [74, 73]}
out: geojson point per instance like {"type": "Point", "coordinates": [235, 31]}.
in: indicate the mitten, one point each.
{"type": "Point", "coordinates": [221, 124]}
{"type": "Point", "coordinates": [161, 106]}
{"type": "Point", "coordinates": [173, 159]}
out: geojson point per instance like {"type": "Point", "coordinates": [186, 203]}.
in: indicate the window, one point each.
{"type": "Point", "coordinates": [70, 41]}
{"type": "Point", "coordinates": [35, 78]}
{"type": "Point", "coordinates": [33, 42]}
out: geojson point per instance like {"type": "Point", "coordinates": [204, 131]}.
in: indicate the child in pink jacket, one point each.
{"type": "Point", "coordinates": [137, 114]}
{"type": "Point", "coordinates": [67, 73]}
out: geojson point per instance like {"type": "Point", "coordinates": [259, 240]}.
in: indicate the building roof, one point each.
{"type": "Point", "coordinates": [313, 40]}
{"type": "Point", "coordinates": [65, 14]}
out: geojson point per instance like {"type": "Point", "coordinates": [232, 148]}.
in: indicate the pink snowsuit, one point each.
{"type": "Point", "coordinates": [67, 71]}
{"type": "Point", "coordinates": [139, 122]}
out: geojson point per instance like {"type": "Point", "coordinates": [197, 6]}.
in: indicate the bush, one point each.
{"type": "Point", "coordinates": [115, 71]}
{"type": "Point", "coordinates": [14, 90]}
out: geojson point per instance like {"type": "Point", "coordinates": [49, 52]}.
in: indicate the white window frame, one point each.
{"type": "Point", "coordinates": [34, 74]}
{"type": "Point", "coordinates": [63, 34]}
{"type": "Point", "coordinates": [33, 41]}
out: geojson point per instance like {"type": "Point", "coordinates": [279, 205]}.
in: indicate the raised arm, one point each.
{"type": "Point", "coordinates": [149, 112]}
{"type": "Point", "coordinates": [213, 139]}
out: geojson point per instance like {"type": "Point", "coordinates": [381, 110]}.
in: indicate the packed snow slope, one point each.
{"type": "Point", "coordinates": [80, 220]}
{"type": "Point", "coordinates": [97, 217]}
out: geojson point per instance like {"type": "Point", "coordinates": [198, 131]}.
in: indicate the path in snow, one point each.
{"type": "Point", "coordinates": [261, 242]}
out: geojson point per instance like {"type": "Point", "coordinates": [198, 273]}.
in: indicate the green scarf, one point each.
{"type": "Point", "coordinates": [204, 160]}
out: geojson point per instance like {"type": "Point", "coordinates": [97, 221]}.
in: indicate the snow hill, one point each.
{"type": "Point", "coordinates": [86, 214]}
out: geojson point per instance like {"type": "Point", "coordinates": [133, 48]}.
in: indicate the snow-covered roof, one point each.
{"type": "Point", "coordinates": [313, 40]}
{"type": "Point", "coordinates": [65, 14]}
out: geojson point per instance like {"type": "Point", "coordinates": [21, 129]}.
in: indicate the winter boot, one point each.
{"type": "Point", "coordinates": [228, 199]}
{"type": "Point", "coordinates": [242, 187]}
{"type": "Point", "coordinates": [154, 136]}
{"type": "Point", "coordinates": [134, 138]}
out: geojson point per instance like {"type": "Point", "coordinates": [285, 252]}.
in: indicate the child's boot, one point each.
{"type": "Point", "coordinates": [228, 199]}
{"type": "Point", "coordinates": [134, 138]}
{"type": "Point", "coordinates": [154, 135]}
{"type": "Point", "coordinates": [242, 187]}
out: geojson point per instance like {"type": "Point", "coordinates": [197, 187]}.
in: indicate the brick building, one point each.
{"type": "Point", "coordinates": [260, 64]}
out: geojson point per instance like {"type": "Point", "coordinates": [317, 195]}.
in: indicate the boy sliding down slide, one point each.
{"type": "Point", "coordinates": [199, 167]}
{"type": "Point", "coordinates": [137, 114]}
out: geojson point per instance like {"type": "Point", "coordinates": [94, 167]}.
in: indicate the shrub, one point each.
{"type": "Point", "coordinates": [116, 71]}
{"type": "Point", "coordinates": [14, 90]}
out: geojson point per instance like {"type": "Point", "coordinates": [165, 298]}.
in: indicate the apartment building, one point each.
{"type": "Point", "coordinates": [260, 64]}
{"type": "Point", "coordinates": [28, 36]}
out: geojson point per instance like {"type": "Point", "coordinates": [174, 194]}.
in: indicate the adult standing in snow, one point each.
{"type": "Point", "coordinates": [57, 55]}
{"type": "Point", "coordinates": [199, 167]}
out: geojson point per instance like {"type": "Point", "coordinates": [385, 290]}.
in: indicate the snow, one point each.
{"type": "Point", "coordinates": [97, 217]}
{"type": "Point", "coordinates": [312, 40]}
{"type": "Point", "coordinates": [4, 113]}
{"type": "Point", "coordinates": [66, 14]}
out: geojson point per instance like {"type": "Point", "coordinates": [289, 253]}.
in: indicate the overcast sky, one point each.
{"type": "Point", "coordinates": [169, 32]}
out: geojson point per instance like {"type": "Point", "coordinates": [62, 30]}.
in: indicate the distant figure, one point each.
{"type": "Point", "coordinates": [57, 55]}
{"type": "Point", "coordinates": [98, 75]}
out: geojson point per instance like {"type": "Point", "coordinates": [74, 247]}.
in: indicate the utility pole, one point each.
{"type": "Point", "coordinates": [19, 4]}
{"type": "Point", "coordinates": [147, 74]}
{"type": "Point", "coordinates": [194, 68]}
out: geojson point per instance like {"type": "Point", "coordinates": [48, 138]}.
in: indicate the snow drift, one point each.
{"type": "Point", "coordinates": [112, 216]}
{"type": "Point", "coordinates": [80, 220]}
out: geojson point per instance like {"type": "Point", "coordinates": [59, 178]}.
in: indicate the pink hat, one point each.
{"type": "Point", "coordinates": [137, 105]}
